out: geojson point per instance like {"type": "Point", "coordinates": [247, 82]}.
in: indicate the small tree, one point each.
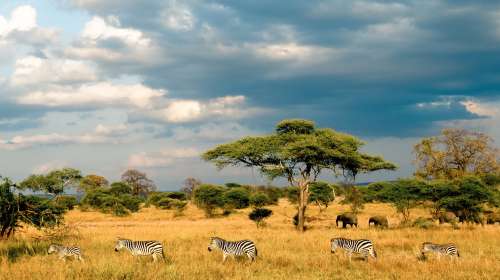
{"type": "Point", "coordinates": [354, 197]}
{"type": "Point", "coordinates": [299, 152]}
{"type": "Point", "coordinates": [140, 183]}
{"type": "Point", "coordinates": [322, 194]}
{"type": "Point", "coordinates": [259, 200]}
{"type": "Point", "coordinates": [92, 182]}
{"type": "Point", "coordinates": [54, 183]}
{"type": "Point", "coordinates": [405, 195]}
{"type": "Point", "coordinates": [119, 188]}
{"type": "Point", "coordinates": [190, 184]}
{"type": "Point", "coordinates": [238, 198]}
{"type": "Point", "coordinates": [209, 197]}
{"type": "Point", "coordinates": [259, 214]}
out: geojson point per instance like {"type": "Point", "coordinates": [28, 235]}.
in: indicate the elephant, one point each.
{"type": "Point", "coordinates": [447, 217]}
{"type": "Point", "coordinates": [380, 221]}
{"type": "Point", "coordinates": [347, 219]}
{"type": "Point", "coordinates": [492, 218]}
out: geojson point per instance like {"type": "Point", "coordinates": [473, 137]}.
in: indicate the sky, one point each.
{"type": "Point", "coordinates": [104, 86]}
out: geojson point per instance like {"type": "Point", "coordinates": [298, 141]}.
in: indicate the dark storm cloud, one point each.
{"type": "Point", "coordinates": [381, 59]}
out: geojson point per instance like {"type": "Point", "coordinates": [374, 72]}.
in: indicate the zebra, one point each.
{"type": "Point", "coordinates": [360, 246]}
{"type": "Point", "coordinates": [141, 248]}
{"type": "Point", "coordinates": [234, 248]}
{"type": "Point", "coordinates": [440, 249]}
{"type": "Point", "coordinates": [64, 252]}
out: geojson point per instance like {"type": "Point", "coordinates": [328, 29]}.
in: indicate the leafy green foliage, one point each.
{"type": "Point", "coordinates": [299, 152]}
{"type": "Point", "coordinates": [321, 193]}
{"type": "Point", "coordinates": [237, 198]}
{"type": "Point", "coordinates": [168, 200]}
{"type": "Point", "coordinates": [259, 214]}
{"type": "Point", "coordinates": [108, 202]}
{"type": "Point", "coordinates": [353, 196]}
{"type": "Point", "coordinates": [259, 200]}
{"type": "Point", "coordinates": [119, 188]}
{"type": "Point", "coordinates": [55, 182]}
{"type": "Point", "coordinates": [67, 202]}
{"type": "Point", "coordinates": [33, 210]}
{"type": "Point", "coordinates": [404, 195]}
{"type": "Point", "coordinates": [209, 197]}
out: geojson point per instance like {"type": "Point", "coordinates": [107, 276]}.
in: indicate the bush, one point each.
{"type": "Point", "coordinates": [259, 200]}
{"type": "Point", "coordinates": [67, 202]}
{"type": "Point", "coordinates": [155, 198]}
{"type": "Point", "coordinates": [237, 197]}
{"type": "Point", "coordinates": [208, 198]}
{"type": "Point", "coordinates": [107, 201]}
{"type": "Point", "coordinates": [321, 193]}
{"type": "Point", "coordinates": [119, 188]}
{"type": "Point", "coordinates": [354, 197]}
{"type": "Point", "coordinates": [259, 214]}
{"type": "Point", "coordinates": [292, 194]}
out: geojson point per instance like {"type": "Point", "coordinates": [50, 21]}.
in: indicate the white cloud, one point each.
{"type": "Point", "coordinates": [99, 38]}
{"type": "Point", "coordinates": [97, 95]}
{"type": "Point", "coordinates": [213, 132]}
{"type": "Point", "coordinates": [101, 134]}
{"type": "Point", "coordinates": [22, 27]}
{"type": "Point", "coordinates": [33, 70]}
{"type": "Point", "coordinates": [481, 109]}
{"type": "Point", "coordinates": [291, 51]}
{"type": "Point", "coordinates": [161, 159]}
{"type": "Point", "coordinates": [182, 111]}
{"type": "Point", "coordinates": [178, 17]}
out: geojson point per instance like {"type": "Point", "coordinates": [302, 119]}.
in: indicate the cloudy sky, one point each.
{"type": "Point", "coordinates": [108, 85]}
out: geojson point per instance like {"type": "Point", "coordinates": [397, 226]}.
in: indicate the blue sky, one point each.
{"type": "Point", "coordinates": [108, 85]}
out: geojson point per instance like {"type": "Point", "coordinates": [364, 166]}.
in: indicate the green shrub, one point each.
{"type": "Point", "coordinates": [67, 202]}
{"type": "Point", "coordinates": [424, 223]}
{"type": "Point", "coordinates": [107, 201]}
{"type": "Point", "coordinates": [259, 200]}
{"type": "Point", "coordinates": [208, 198]}
{"type": "Point", "coordinates": [237, 197]}
{"type": "Point", "coordinates": [259, 214]}
{"type": "Point", "coordinates": [119, 188]}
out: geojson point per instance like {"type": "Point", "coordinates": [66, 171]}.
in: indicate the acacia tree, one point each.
{"type": "Point", "coordinates": [299, 152]}
{"type": "Point", "coordinates": [140, 183]}
{"type": "Point", "coordinates": [454, 154]}
{"type": "Point", "coordinates": [92, 182]}
{"type": "Point", "coordinates": [54, 183]}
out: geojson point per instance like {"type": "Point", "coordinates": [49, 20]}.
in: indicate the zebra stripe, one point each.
{"type": "Point", "coordinates": [141, 248]}
{"type": "Point", "coordinates": [234, 248]}
{"type": "Point", "coordinates": [440, 249]}
{"type": "Point", "coordinates": [360, 246]}
{"type": "Point", "coordinates": [64, 251]}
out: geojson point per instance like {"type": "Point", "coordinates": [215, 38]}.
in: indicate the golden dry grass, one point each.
{"type": "Point", "coordinates": [283, 252]}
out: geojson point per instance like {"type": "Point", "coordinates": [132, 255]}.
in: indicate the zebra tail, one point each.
{"type": "Point", "coordinates": [374, 253]}
{"type": "Point", "coordinates": [458, 254]}
{"type": "Point", "coordinates": [256, 251]}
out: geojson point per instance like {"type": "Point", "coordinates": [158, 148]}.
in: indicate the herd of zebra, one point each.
{"type": "Point", "coordinates": [247, 248]}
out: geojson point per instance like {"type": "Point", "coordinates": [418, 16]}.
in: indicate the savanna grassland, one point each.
{"type": "Point", "coordinates": [283, 252]}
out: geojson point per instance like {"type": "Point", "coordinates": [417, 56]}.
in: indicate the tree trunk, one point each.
{"type": "Point", "coordinates": [303, 197]}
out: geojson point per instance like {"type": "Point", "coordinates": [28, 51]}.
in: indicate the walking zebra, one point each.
{"type": "Point", "coordinates": [64, 252]}
{"type": "Point", "coordinates": [360, 246]}
{"type": "Point", "coordinates": [440, 249]}
{"type": "Point", "coordinates": [141, 248]}
{"type": "Point", "coordinates": [233, 248]}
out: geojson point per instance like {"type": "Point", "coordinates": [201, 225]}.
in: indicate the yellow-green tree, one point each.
{"type": "Point", "coordinates": [299, 152]}
{"type": "Point", "coordinates": [454, 154]}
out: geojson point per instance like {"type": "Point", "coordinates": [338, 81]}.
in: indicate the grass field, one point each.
{"type": "Point", "coordinates": [283, 252]}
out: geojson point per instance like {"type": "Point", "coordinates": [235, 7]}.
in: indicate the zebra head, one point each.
{"type": "Point", "coordinates": [333, 245]}
{"type": "Point", "coordinates": [53, 248]}
{"type": "Point", "coordinates": [120, 243]}
{"type": "Point", "coordinates": [214, 243]}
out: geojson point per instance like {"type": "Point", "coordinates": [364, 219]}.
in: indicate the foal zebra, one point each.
{"type": "Point", "coordinates": [64, 252]}
{"type": "Point", "coordinates": [360, 246]}
{"type": "Point", "coordinates": [440, 249]}
{"type": "Point", "coordinates": [142, 248]}
{"type": "Point", "coordinates": [234, 248]}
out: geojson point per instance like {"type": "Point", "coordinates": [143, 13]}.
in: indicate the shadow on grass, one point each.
{"type": "Point", "coordinates": [15, 250]}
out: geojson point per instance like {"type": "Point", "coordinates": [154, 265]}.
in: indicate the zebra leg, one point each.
{"type": "Point", "coordinates": [154, 257]}
{"type": "Point", "coordinates": [250, 257]}
{"type": "Point", "coordinates": [224, 257]}
{"type": "Point", "coordinates": [350, 255]}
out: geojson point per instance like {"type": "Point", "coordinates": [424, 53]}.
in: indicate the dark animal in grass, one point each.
{"type": "Point", "coordinates": [447, 217]}
{"type": "Point", "coordinates": [492, 218]}
{"type": "Point", "coordinates": [379, 221]}
{"type": "Point", "coordinates": [347, 219]}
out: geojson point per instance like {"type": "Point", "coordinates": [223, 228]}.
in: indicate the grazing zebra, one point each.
{"type": "Point", "coordinates": [440, 249]}
{"type": "Point", "coordinates": [64, 252]}
{"type": "Point", "coordinates": [141, 248]}
{"type": "Point", "coordinates": [233, 248]}
{"type": "Point", "coordinates": [360, 246]}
